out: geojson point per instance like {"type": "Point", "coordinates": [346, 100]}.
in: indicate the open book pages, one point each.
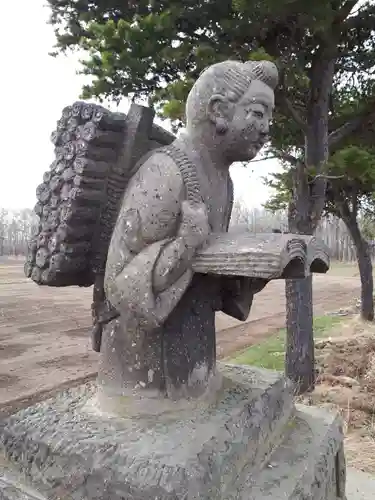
{"type": "Point", "coordinates": [267, 255]}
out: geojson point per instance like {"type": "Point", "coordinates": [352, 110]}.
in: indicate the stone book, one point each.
{"type": "Point", "coordinates": [267, 256]}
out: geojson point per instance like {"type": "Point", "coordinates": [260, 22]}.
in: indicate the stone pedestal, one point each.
{"type": "Point", "coordinates": [251, 443]}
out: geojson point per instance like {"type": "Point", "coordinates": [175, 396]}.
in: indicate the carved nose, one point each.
{"type": "Point", "coordinates": [264, 128]}
{"type": "Point", "coordinates": [263, 137]}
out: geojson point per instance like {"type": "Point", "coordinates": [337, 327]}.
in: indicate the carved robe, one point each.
{"type": "Point", "coordinates": [163, 341]}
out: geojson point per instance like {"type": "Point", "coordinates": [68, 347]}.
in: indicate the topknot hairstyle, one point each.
{"type": "Point", "coordinates": [265, 71]}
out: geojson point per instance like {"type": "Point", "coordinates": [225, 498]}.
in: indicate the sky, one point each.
{"type": "Point", "coordinates": [35, 88]}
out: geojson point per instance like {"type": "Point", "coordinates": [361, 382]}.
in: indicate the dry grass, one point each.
{"type": "Point", "coordinates": [346, 381]}
{"type": "Point", "coordinates": [345, 355]}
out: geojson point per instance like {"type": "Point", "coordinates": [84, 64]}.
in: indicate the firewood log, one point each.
{"type": "Point", "coordinates": [66, 264]}
{"type": "Point", "coordinates": [28, 269]}
{"type": "Point", "coordinates": [68, 174]}
{"type": "Point", "coordinates": [60, 167]}
{"type": "Point", "coordinates": [56, 137]}
{"type": "Point", "coordinates": [67, 136]}
{"type": "Point", "coordinates": [54, 243]}
{"type": "Point", "coordinates": [32, 245]}
{"type": "Point", "coordinates": [77, 109]}
{"type": "Point", "coordinates": [67, 112]}
{"type": "Point", "coordinates": [88, 195]}
{"type": "Point", "coordinates": [91, 168]}
{"type": "Point", "coordinates": [91, 182]}
{"type": "Point", "coordinates": [53, 219]}
{"type": "Point", "coordinates": [47, 177]}
{"type": "Point", "coordinates": [36, 274]}
{"type": "Point", "coordinates": [109, 121]}
{"type": "Point", "coordinates": [75, 249]}
{"type": "Point", "coordinates": [43, 239]}
{"type": "Point", "coordinates": [55, 183]}
{"type": "Point", "coordinates": [53, 166]}
{"type": "Point", "coordinates": [65, 191]}
{"type": "Point", "coordinates": [71, 233]}
{"type": "Point", "coordinates": [42, 258]}
{"type": "Point", "coordinates": [59, 153]}
{"type": "Point", "coordinates": [72, 212]}
{"type": "Point", "coordinates": [38, 209]}
{"type": "Point", "coordinates": [69, 151]}
{"type": "Point", "coordinates": [72, 124]}
{"type": "Point", "coordinates": [92, 134]}
{"type": "Point", "coordinates": [84, 149]}
{"type": "Point", "coordinates": [87, 111]}
{"type": "Point", "coordinates": [55, 202]}
{"type": "Point", "coordinates": [43, 193]}
{"type": "Point", "coordinates": [61, 124]}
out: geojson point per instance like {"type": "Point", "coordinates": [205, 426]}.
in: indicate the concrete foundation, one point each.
{"type": "Point", "coordinates": [251, 443]}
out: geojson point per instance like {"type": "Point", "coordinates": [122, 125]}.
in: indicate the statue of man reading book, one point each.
{"type": "Point", "coordinates": [163, 340]}
{"type": "Point", "coordinates": [152, 238]}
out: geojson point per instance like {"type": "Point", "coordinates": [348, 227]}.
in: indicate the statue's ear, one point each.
{"type": "Point", "coordinates": [219, 112]}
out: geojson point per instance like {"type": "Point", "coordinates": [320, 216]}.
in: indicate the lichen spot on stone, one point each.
{"type": "Point", "coordinates": [150, 376]}
{"type": "Point", "coordinates": [198, 375]}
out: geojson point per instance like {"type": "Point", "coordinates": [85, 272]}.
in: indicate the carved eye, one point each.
{"type": "Point", "coordinates": [258, 113]}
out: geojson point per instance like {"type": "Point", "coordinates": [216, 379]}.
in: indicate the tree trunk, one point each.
{"type": "Point", "coordinates": [367, 284]}
{"type": "Point", "coordinates": [299, 359]}
{"type": "Point", "coordinates": [365, 269]}
{"type": "Point", "coordinates": [299, 356]}
{"type": "Point", "coordinates": [304, 214]}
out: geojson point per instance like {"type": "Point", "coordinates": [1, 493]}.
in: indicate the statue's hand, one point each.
{"type": "Point", "coordinates": [176, 257]}
{"type": "Point", "coordinates": [194, 226]}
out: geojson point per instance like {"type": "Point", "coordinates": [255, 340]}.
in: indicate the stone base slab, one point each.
{"type": "Point", "coordinates": [69, 450]}
{"type": "Point", "coordinates": [308, 465]}
{"type": "Point", "coordinates": [13, 486]}
{"type": "Point", "coordinates": [251, 444]}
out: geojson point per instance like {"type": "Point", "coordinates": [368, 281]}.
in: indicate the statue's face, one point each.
{"type": "Point", "coordinates": [248, 130]}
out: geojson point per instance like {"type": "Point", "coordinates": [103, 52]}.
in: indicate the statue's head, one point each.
{"type": "Point", "coordinates": [234, 101]}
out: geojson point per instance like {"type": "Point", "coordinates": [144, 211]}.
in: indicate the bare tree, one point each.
{"type": "Point", "coordinates": [330, 229]}
{"type": "Point", "coordinates": [16, 228]}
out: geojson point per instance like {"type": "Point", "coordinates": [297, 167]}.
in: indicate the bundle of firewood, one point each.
{"type": "Point", "coordinates": [88, 140]}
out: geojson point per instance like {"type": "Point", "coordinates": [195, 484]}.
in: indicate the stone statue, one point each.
{"type": "Point", "coordinates": [169, 266]}
{"type": "Point", "coordinates": [163, 341]}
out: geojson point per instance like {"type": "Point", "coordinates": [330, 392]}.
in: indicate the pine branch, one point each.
{"type": "Point", "coordinates": [294, 114]}
{"type": "Point", "coordinates": [326, 177]}
{"type": "Point", "coordinates": [286, 104]}
{"type": "Point", "coordinates": [279, 156]}
{"type": "Point", "coordinates": [343, 13]}
{"type": "Point", "coordinates": [338, 136]}
{"type": "Point", "coordinates": [288, 158]}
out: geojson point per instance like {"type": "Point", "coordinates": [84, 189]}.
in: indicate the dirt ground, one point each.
{"type": "Point", "coordinates": [45, 341]}
{"type": "Point", "coordinates": [346, 362]}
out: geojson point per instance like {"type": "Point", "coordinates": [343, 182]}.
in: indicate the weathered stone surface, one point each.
{"type": "Point", "coordinates": [309, 464]}
{"type": "Point", "coordinates": [163, 424]}
{"type": "Point", "coordinates": [163, 338]}
{"type": "Point", "coordinates": [13, 486]}
{"type": "Point", "coordinates": [13, 490]}
{"type": "Point", "coordinates": [70, 451]}
{"type": "Point", "coordinates": [267, 256]}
